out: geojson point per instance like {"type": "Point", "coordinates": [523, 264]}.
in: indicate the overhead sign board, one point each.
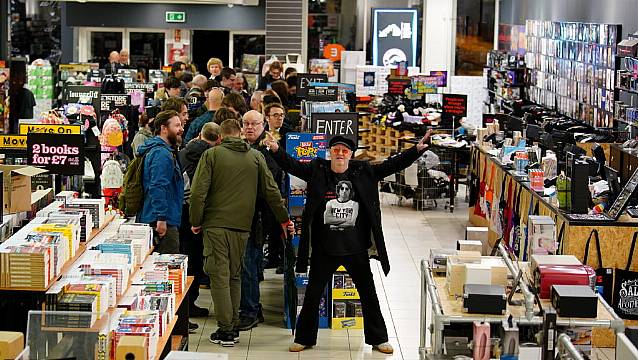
{"type": "Point", "coordinates": [175, 16]}
{"type": "Point", "coordinates": [395, 34]}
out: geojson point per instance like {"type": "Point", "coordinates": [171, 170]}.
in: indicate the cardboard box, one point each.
{"type": "Point", "coordinates": [17, 187]}
{"type": "Point", "coordinates": [480, 234]}
{"type": "Point", "coordinates": [11, 344]}
{"type": "Point", "coordinates": [130, 344]}
{"type": "Point", "coordinates": [479, 274]}
{"type": "Point", "coordinates": [455, 271]}
{"type": "Point", "coordinates": [538, 260]}
{"type": "Point", "coordinates": [469, 245]}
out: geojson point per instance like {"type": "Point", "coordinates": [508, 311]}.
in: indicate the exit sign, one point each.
{"type": "Point", "coordinates": [175, 16]}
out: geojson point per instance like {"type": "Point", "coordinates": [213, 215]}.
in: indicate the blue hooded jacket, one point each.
{"type": "Point", "coordinates": [163, 184]}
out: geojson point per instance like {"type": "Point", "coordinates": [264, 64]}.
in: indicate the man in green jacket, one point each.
{"type": "Point", "coordinates": [228, 179]}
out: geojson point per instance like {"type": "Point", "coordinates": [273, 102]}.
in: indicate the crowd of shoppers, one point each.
{"type": "Point", "coordinates": [214, 180]}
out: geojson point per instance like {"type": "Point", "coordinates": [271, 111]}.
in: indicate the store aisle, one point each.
{"type": "Point", "coordinates": [409, 236]}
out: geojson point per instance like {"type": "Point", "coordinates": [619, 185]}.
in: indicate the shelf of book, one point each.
{"type": "Point", "coordinates": [67, 266]}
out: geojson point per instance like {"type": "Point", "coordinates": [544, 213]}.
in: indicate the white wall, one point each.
{"type": "Point", "coordinates": [439, 37]}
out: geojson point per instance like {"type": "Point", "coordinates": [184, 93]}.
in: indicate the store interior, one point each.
{"type": "Point", "coordinates": [469, 167]}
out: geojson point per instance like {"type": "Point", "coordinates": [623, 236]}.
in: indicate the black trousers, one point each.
{"type": "Point", "coordinates": [322, 266]}
{"type": "Point", "coordinates": [193, 246]}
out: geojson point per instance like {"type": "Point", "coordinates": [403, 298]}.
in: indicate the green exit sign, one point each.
{"type": "Point", "coordinates": [175, 16]}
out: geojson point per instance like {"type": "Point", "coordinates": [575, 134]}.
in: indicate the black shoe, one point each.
{"type": "Point", "coordinates": [270, 264]}
{"type": "Point", "coordinates": [280, 270]}
{"type": "Point", "coordinates": [196, 311]}
{"type": "Point", "coordinates": [225, 339]}
{"type": "Point", "coordinates": [192, 327]}
{"type": "Point", "coordinates": [246, 323]}
{"type": "Point", "coordinates": [260, 315]}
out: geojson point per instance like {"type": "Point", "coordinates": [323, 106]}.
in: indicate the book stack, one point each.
{"type": "Point", "coordinates": [68, 229]}
{"type": "Point", "coordinates": [120, 272]}
{"type": "Point", "coordinates": [76, 304]}
{"type": "Point", "coordinates": [164, 304]}
{"type": "Point", "coordinates": [101, 294]}
{"type": "Point", "coordinates": [71, 219]}
{"type": "Point", "coordinates": [65, 197]}
{"type": "Point", "coordinates": [96, 206]}
{"type": "Point", "coordinates": [177, 265]}
{"type": "Point", "coordinates": [141, 236]}
{"type": "Point", "coordinates": [119, 246]}
{"type": "Point", "coordinates": [86, 221]}
{"type": "Point", "coordinates": [160, 274]}
{"type": "Point", "coordinates": [28, 266]}
{"type": "Point", "coordinates": [139, 323]}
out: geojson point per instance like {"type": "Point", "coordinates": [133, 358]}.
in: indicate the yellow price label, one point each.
{"type": "Point", "coordinates": [13, 141]}
{"type": "Point", "coordinates": [50, 129]}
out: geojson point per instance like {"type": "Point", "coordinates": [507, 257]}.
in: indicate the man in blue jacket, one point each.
{"type": "Point", "coordinates": [163, 182]}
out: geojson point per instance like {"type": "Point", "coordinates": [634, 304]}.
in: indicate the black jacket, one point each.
{"type": "Point", "coordinates": [189, 156]}
{"type": "Point", "coordinates": [365, 178]}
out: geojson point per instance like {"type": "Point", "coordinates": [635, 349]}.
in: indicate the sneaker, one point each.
{"type": "Point", "coordinates": [192, 327]}
{"type": "Point", "coordinates": [246, 323]}
{"type": "Point", "coordinates": [385, 348]}
{"type": "Point", "coordinates": [196, 311]}
{"type": "Point", "coordinates": [224, 338]}
{"type": "Point", "coordinates": [294, 347]}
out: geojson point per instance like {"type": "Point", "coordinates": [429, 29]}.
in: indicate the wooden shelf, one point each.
{"type": "Point", "coordinates": [161, 343]}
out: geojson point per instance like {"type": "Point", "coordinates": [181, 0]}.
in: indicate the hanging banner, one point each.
{"type": "Point", "coordinates": [395, 34]}
{"type": "Point", "coordinates": [60, 154]}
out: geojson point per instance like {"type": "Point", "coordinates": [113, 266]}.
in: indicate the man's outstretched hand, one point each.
{"type": "Point", "coordinates": [271, 142]}
{"type": "Point", "coordinates": [422, 145]}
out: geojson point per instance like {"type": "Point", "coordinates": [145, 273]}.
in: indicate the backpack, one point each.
{"type": "Point", "coordinates": [131, 199]}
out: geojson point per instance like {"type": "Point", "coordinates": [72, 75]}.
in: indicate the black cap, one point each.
{"type": "Point", "coordinates": [343, 141]}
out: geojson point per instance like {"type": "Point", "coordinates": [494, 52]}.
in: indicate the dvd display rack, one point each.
{"type": "Point", "coordinates": [573, 67]}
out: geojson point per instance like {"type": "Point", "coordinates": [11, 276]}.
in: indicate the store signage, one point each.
{"type": "Point", "coordinates": [395, 36]}
{"type": "Point", "coordinates": [333, 52]}
{"type": "Point", "coordinates": [50, 129]}
{"type": "Point", "coordinates": [13, 142]}
{"type": "Point", "coordinates": [425, 84]}
{"type": "Point", "coordinates": [304, 80]}
{"type": "Point", "coordinates": [322, 93]}
{"type": "Point", "coordinates": [175, 16]}
{"type": "Point", "coordinates": [397, 86]}
{"type": "Point", "coordinates": [337, 123]}
{"type": "Point", "coordinates": [441, 78]}
{"type": "Point", "coordinates": [60, 154]}
{"type": "Point", "coordinates": [455, 105]}
{"type": "Point", "coordinates": [82, 94]}
{"type": "Point", "coordinates": [147, 88]}
{"type": "Point", "coordinates": [111, 102]}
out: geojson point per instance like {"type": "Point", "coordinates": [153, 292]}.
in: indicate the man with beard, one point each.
{"type": "Point", "coordinates": [163, 182]}
{"type": "Point", "coordinates": [180, 106]}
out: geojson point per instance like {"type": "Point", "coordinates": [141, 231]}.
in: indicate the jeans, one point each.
{"type": "Point", "coordinates": [253, 262]}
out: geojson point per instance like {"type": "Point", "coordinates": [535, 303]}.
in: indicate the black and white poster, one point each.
{"type": "Point", "coordinates": [304, 80]}
{"type": "Point", "coordinates": [341, 213]}
{"type": "Point", "coordinates": [147, 88]}
{"type": "Point", "coordinates": [111, 102]}
{"type": "Point", "coordinates": [395, 33]}
{"type": "Point", "coordinates": [337, 123]}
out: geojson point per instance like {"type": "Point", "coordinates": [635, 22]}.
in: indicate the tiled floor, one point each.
{"type": "Point", "coordinates": [409, 235]}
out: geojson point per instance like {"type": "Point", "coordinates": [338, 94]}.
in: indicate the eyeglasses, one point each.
{"type": "Point", "coordinates": [279, 115]}
{"type": "Point", "coordinates": [248, 124]}
{"type": "Point", "coordinates": [344, 188]}
{"type": "Point", "coordinates": [338, 151]}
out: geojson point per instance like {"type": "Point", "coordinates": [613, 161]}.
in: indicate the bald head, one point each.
{"type": "Point", "coordinates": [215, 98]}
{"type": "Point", "coordinates": [114, 57]}
{"type": "Point", "coordinates": [200, 81]}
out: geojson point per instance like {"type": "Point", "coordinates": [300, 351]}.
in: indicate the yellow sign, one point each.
{"type": "Point", "coordinates": [13, 142]}
{"type": "Point", "coordinates": [75, 67]}
{"type": "Point", "coordinates": [50, 129]}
